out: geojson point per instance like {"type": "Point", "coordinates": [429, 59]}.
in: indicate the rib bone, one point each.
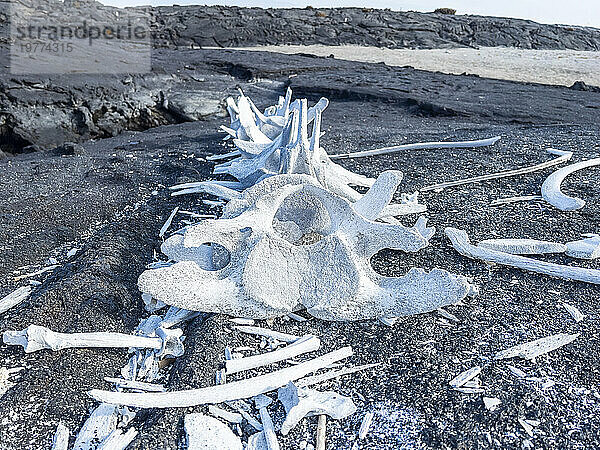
{"type": "Point", "coordinates": [247, 388]}
{"type": "Point", "coordinates": [14, 298]}
{"type": "Point", "coordinates": [461, 243]}
{"type": "Point", "coordinates": [304, 345]}
{"type": "Point", "coordinates": [551, 187]}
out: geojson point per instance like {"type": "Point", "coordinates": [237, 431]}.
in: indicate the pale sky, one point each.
{"type": "Point", "coordinates": [574, 12]}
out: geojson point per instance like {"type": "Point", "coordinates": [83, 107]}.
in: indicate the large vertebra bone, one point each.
{"type": "Point", "coordinates": [318, 249]}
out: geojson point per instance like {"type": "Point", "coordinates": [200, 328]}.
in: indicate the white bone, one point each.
{"type": "Point", "coordinates": [551, 186]}
{"type": "Point", "coordinates": [137, 385]}
{"type": "Point", "coordinates": [304, 345]}
{"type": "Point", "coordinates": [267, 225]}
{"type": "Point", "coordinates": [460, 242]}
{"type": "Point", "coordinates": [365, 425]}
{"type": "Point", "coordinates": [257, 441]}
{"type": "Point", "coordinates": [61, 438]}
{"type": "Point", "coordinates": [14, 298]}
{"type": "Point", "coordinates": [587, 248]}
{"type": "Point", "coordinates": [522, 246]}
{"type": "Point", "coordinates": [225, 415]}
{"type": "Point", "coordinates": [491, 403]}
{"type": "Point", "coordinates": [101, 423]}
{"type": "Point", "coordinates": [507, 200]}
{"type": "Point", "coordinates": [168, 222]}
{"type": "Point", "coordinates": [36, 273]}
{"type": "Point", "coordinates": [35, 338]}
{"type": "Point", "coordinates": [463, 377]}
{"type": "Point", "coordinates": [418, 146]}
{"type": "Point", "coordinates": [204, 432]}
{"type": "Point", "coordinates": [118, 440]}
{"type": "Point", "coordinates": [316, 379]}
{"type": "Point", "coordinates": [321, 432]}
{"type": "Point", "coordinates": [302, 402]}
{"type": "Point", "coordinates": [533, 349]}
{"type": "Point", "coordinates": [574, 312]}
{"type": "Point", "coordinates": [247, 388]}
{"type": "Point", "coordinates": [563, 156]}
{"type": "Point", "coordinates": [262, 401]}
{"type": "Point", "coordinates": [265, 332]}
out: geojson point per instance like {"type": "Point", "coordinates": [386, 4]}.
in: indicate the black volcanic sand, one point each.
{"type": "Point", "coordinates": [111, 200]}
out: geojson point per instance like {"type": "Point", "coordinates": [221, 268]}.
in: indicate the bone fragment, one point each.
{"type": "Point", "coordinates": [461, 243]}
{"type": "Point", "coordinates": [574, 312]}
{"type": "Point", "coordinates": [265, 332]}
{"type": "Point", "coordinates": [262, 401]}
{"type": "Point", "coordinates": [316, 379]}
{"type": "Point", "coordinates": [302, 402]}
{"type": "Point", "coordinates": [465, 376]}
{"type": "Point", "coordinates": [247, 388]}
{"type": "Point", "coordinates": [167, 224]}
{"type": "Point", "coordinates": [303, 345]}
{"type": "Point", "coordinates": [418, 146]}
{"type": "Point", "coordinates": [118, 440]}
{"type": "Point", "coordinates": [225, 415]}
{"type": "Point", "coordinates": [136, 385]}
{"type": "Point", "coordinates": [586, 248]}
{"type": "Point", "coordinates": [562, 157]}
{"type": "Point", "coordinates": [365, 425]}
{"type": "Point", "coordinates": [14, 298]}
{"type": "Point", "coordinates": [61, 438]}
{"type": "Point", "coordinates": [321, 432]}
{"type": "Point", "coordinates": [491, 403]}
{"type": "Point", "coordinates": [508, 200]}
{"type": "Point", "coordinates": [39, 272]}
{"type": "Point", "coordinates": [533, 349]}
{"type": "Point", "coordinates": [101, 423]}
{"type": "Point", "coordinates": [551, 187]}
{"type": "Point", "coordinates": [204, 432]}
{"type": "Point", "coordinates": [522, 246]}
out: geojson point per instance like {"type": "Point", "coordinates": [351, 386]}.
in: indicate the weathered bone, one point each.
{"type": "Point", "coordinates": [330, 275]}
{"type": "Point", "coordinates": [418, 146]}
{"type": "Point", "coordinates": [61, 438]}
{"type": "Point", "coordinates": [118, 440]}
{"type": "Point", "coordinates": [522, 246]}
{"type": "Point", "coordinates": [101, 423]}
{"type": "Point", "coordinates": [587, 248]}
{"type": "Point", "coordinates": [533, 349]}
{"type": "Point", "coordinates": [563, 156]}
{"type": "Point", "coordinates": [262, 401]}
{"type": "Point", "coordinates": [34, 338]}
{"type": "Point", "coordinates": [136, 385]}
{"type": "Point", "coordinates": [365, 425]}
{"type": "Point", "coordinates": [302, 402]}
{"type": "Point", "coordinates": [225, 415]}
{"type": "Point", "coordinates": [247, 388]}
{"type": "Point", "coordinates": [168, 222]}
{"type": "Point", "coordinates": [316, 379]}
{"type": "Point", "coordinates": [204, 432]}
{"type": "Point", "coordinates": [14, 298]}
{"type": "Point", "coordinates": [551, 186]}
{"type": "Point", "coordinates": [304, 345]}
{"type": "Point", "coordinates": [460, 242]}
{"type": "Point", "coordinates": [258, 331]}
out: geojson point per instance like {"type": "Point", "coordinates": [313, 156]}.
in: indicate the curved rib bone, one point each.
{"type": "Point", "coordinates": [304, 345]}
{"type": "Point", "coordinates": [522, 246]}
{"type": "Point", "coordinates": [247, 388]}
{"type": "Point", "coordinates": [563, 156]}
{"type": "Point", "coordinates": [460, 241]}
{"type": "Point", "coordinates": [551, 187]}
{"type": "Point", "coordinates": [418, 146]}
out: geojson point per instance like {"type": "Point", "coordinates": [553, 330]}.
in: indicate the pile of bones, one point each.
{"type": "Point", "coordinates": [290, 207]}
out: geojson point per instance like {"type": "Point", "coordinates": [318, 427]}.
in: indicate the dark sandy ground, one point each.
{"type": "Point", "coordinates": [111, 201]}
